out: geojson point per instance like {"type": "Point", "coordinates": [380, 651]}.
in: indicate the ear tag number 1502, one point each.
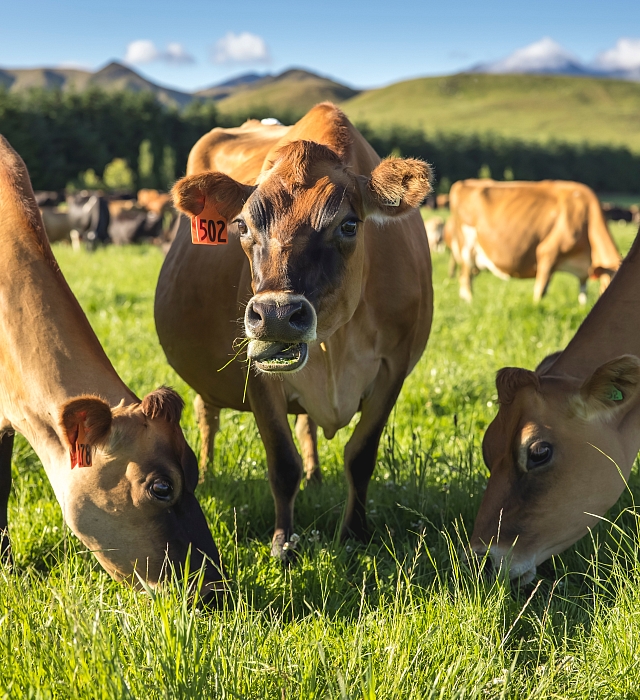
{"type": "Point", "coordinates": [209, 227]}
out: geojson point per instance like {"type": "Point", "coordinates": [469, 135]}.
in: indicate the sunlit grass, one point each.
{"type": "Point", "coordinates": [402, 617]}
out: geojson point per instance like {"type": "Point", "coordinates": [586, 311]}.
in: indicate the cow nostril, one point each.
{"type": "Point", "coordinates": [484, 563]}
{"type": "Point", "coordinates": [300, 319]}
{"type": "Point", "coordinates": [488, 567]}
{"type": "Point", "coordinates": [254, 316]}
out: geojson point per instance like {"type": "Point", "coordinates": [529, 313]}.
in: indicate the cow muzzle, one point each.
{"type": "Point", "coordinates": [496, 561]}
{"type": "Point", "coordinates": [279, 327]}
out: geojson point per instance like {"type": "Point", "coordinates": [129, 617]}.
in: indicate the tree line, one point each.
{"type": "Point", "coordinates": [72, 137]}
{"type": "Point", "coordinates": [126, 140]}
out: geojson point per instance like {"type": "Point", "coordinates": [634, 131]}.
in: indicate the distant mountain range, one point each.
{"type": "Point", "coordinates": [295, 89]}
{"type": "Point", "coordinates": [539, 93]}
{"type": "Point", "coordinates": [547, 57]}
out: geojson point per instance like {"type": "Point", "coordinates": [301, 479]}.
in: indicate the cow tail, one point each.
{"type": "Point", "coordinates": [605, 258]}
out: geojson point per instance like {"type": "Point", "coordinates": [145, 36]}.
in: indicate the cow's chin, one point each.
{"type": "Point", "coordinates": [277, 358]}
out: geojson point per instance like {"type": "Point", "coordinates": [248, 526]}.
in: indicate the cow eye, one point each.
{"type": "Point", "coordinates": [243, 229]}
{"type": "Point", "coordinates": [161, 489]}
{"type": "Point", "coordinates": [349, 228]}
{"type": "Point", "coordinates": [538, 454]}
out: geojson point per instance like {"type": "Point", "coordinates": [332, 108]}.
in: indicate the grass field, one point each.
{"type": "Point", "coordinates": [528, 107]}
{"type": "Point", "coordinates": [400, 618]}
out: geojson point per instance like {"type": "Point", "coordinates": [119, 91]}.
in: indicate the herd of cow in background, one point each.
{"type": "Point", "coordinates": [89, 218]}
{"type": "Point", "coordinates": [326, 259]}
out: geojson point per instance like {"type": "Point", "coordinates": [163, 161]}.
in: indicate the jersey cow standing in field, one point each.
{"type": "Point", "coordinates": [565, 437]}
{"type": "Point", "coordinates": [120, 468]}
{"type": "Point", "coordinates": [529, 230]}
{"type": "Point", "coordinates": [329, 264]}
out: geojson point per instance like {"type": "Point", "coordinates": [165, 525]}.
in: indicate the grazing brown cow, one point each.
{"type": "Point", "coordinates": [529, 230]}
{"type": "Point", "coordinates": [120, 468]}
{"type": "Point", "coordinates": [57, 225]}
{"type": "Point", "coordinates": [435, 233]}
{"type": "Point", "coordinates": [566, 436]}
{"type": "Point", "coordinates": [329, 264]}
{"type": "Point", "coordinates": [157, 202]}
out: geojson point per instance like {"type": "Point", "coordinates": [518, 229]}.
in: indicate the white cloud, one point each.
{"type": "Point", "coordinates": [176, 53]}
{"type": "Point", "coordinates": [624, 56]}
{"type": "Point", "coordinates": [241, 48]}
{"type": "Point", "coordinates": [145, 51]}
{"type": "Point", "coordinates": [141, 51]}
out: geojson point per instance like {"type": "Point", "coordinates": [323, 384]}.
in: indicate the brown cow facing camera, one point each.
{"type": "Point", "coordinates": [565, 437]}
{"type": "Point", "coordinates": [327, 266]}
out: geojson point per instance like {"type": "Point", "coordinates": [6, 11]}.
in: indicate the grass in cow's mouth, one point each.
{"type": "Point", "coordinates": [287, 356]}
{"type": "Point", "coordinates": [401, 617]}
{"type": "Point", "coordinates": [277, 357]}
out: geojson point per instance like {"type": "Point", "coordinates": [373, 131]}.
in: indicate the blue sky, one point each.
{"type": "Point", "coordinates": [365, 44]}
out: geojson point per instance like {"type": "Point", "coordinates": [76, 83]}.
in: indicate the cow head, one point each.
{"type": "Point", "coordinates": [302, 229]}
{"type": "Point", "coordinates": [131, 500]}
{"type": "Point", "coordinates": [559, 452]}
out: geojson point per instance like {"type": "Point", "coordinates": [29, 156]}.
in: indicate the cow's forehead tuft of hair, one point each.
{"type": "Point", "coordinates": [297, 162]}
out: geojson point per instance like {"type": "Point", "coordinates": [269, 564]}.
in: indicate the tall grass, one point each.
{"type": "Point", "coordinates": [401, 617]}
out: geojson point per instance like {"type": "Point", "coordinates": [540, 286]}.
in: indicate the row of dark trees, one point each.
{"type": "Point", "coordinates": [455, 157]}
{"type": "Point", "coordinates": [61, 135]}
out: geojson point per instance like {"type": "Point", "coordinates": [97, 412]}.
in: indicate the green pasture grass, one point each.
{"type": "Point", "coordinates": [528, 107]}
{"type": "Point", "coordinates": [400, 617]}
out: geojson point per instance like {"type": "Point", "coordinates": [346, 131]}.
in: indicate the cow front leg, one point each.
{"type": "Point", "coordinates": [284, 465]}
{"type": "Point", "coordinates": [307, 434]}
{"type": "Point", "coordinates": [465, 281]}
{"type": "Point", "coordinates": [362, 450]}
{"type": "Point", "coordinates": [6, 451]}
{"type": "Point", "coordinates": [543, 275]}
{"type": "Point", "coordinates": [208, 418]}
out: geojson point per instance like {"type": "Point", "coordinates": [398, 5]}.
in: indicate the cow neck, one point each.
{"type": "Point", "coordinates": [610, 329]}
{"type": "Point", "coordinates": [49, 352]}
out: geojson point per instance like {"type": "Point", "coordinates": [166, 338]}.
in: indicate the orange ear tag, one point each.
{"type": "Point", "coordinates": [209, 227]}
{"type": "Point", "coordinates": [81, 452]}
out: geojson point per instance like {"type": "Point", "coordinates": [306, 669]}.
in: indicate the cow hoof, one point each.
{"type": "Point", "coordinates": [283, 549]}
{"type": "Point", "coordinates": [358, 532]}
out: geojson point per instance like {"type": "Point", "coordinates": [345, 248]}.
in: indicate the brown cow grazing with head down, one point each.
{"type": "Point", "coordinates": [565, 437]}
{"type": "Point", "coordinates": [529, 230]}
{"type": "Point", "coordinates": [329, 264]}
{"type": "Point", "coordinates": [120, 468]}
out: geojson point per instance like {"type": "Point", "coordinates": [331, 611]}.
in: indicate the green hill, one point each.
{"type": "Point", "coordinates": [292, 92]}
{"type": "Point", "coordinates": [528, 107]}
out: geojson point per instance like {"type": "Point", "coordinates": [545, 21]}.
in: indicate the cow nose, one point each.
{"type": "Point", "coordinates": [484, 563]}
{"type": "Point", "coordinates": [268, 319]}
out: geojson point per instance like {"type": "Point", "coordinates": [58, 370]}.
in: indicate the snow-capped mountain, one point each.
{"type": "Point", "coordinates": [548, 57]}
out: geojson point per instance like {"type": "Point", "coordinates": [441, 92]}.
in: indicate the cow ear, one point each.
{"type": "Point", "coordinates": [87, 415]}
{"type": "Point", "coordinates": [164, 403]}
{"type": "Point", "coordinates": [396, 187]}
{"type": "Point", "coordinates": [613, 386]}
{"type": "Point", "coordinates": [192, 192]}
{"type": "Point", "coordinates": [510, 379]}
